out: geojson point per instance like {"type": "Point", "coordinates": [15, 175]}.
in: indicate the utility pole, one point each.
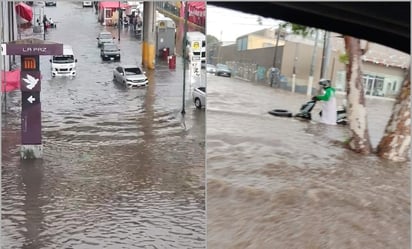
{"type": "Point", "coordinates": [325, 55]}
{"type": "Point", "coordinates": [184, 55]}
{"type": "Point", "coordinates": [3, 63]}
{"type": "Point", "coordinates": [295, 60]}
{"type": "Point", "coordinates": [118, 21]}
{"type": "Point", "coordinates": [312, 65]}
{"type": "Point", "coordinates": [276, 47]}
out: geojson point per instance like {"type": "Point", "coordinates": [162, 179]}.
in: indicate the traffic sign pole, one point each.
{"type": "Point", "coordinates": [30, 82]}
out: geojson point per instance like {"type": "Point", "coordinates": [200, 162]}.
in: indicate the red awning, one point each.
{"type": "Point", "coordinates": [200, 6]}
{"type": "Point", "coordinates": [112, 5]}
{"type": "Point", "coordinates": [197, 8]}
{"type": "Point", "coordinates": [10, 81]}
{"type": "Point", "coordinates": [24, 11]}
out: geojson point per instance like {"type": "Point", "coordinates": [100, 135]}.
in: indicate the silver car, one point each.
{"type": "Point", "coordinates": [199, 97]}
{"type": "Point", "coordinates": [130, 76]}
{"type": "Point", "coordinates": [210, 68]}
{"type": "Point", "coordinates": [104, 37]}
{"type": "Point", "coordinates": [223, 70]}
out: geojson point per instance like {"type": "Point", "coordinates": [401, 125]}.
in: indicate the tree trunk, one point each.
{"type": "Point", "coordinates": [359, 140]}
{"type": "Point", "coordinates": [396, 141]}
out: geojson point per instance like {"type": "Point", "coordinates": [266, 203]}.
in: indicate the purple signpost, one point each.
{"type": "Point", "coordinates": [30, 51]}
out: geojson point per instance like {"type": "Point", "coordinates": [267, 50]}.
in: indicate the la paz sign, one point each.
{"type": "Point", "coordinates": [33, 46]}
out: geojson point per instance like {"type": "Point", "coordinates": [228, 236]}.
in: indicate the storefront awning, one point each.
{"type": "Point", "coordinates": [24, 11]}
{"type": "Point", "coordinates": [10, 81]}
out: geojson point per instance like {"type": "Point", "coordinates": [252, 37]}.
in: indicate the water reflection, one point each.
{"type": "Point", "coordinates": [31, 183]}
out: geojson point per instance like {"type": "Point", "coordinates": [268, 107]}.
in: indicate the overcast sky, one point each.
{"type": "Point", "coordinates": [227, 25]}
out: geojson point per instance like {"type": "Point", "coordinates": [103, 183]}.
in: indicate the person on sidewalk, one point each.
{"type": "Point", "coordinates": [45, 23]}
{"type": "Point", "coordinates": [329, 112]}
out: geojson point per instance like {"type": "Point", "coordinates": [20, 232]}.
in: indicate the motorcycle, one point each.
{"type": "Point", "coordinates": [305, 112]}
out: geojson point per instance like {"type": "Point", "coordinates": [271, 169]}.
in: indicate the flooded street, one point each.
{"type": "Point", "coordinates": [121, 168]}
{"type": "Point", "coordinates": [276, 182]}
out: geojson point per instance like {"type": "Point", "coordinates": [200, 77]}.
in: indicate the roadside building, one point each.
{"type": "Point", "coordinates": [253, 55]}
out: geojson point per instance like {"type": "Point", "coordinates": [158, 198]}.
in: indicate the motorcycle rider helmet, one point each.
{"type": "Point", "coordinates": [324, 83]}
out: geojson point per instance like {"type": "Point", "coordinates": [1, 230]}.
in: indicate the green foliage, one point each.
{"type": "Point", "coordinates": [346, 141]}
{"type": "Point", "coordinates": [210, 39]}
{"type": "Point", "coordinates": [344, 58]}
{"type": "Point", "coordinates": [299, 29]}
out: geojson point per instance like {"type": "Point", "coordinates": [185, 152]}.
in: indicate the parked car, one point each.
{"type": "Point", "coordinates": [110, 51]}
{"type": "Point", "coordinates": [223, 70]}
{"type": "Point", "coordinates": [199, 97]}
{"type": "Point", "coordinates": [210, 68]}
{"type": "Point", "coordinates": [104, 37]}
{"type": "Point", "coordinates": [50, 3]}
{"type": "Point", "coordinates": [87, 4]}
{"type": "Point", "coordinates": [130, 76]}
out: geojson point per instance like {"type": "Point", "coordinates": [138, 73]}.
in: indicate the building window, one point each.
{"type": "Point", "coordinates": [373, 85]}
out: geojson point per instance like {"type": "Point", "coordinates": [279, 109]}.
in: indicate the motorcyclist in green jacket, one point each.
{"type": "Point", "coordinates": [329, 112]}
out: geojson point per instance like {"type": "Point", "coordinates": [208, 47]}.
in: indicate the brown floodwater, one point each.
{"type": "Point", "coordinates": [122, 168]}
{"type": "Point", "coordinates": [276, 182]}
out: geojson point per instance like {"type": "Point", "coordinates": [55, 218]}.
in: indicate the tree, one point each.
{"type": "Point", "coordinates": [210, 39]}
{"type": "Point", "coordinates": [395, 144]}
{"type": "Point", "coordinates": [396, 141]}
{"type": "Point", "coordinates": [359, 140]}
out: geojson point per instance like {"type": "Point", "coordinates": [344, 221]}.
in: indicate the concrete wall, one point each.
{"type": "Point", "coordinates": [263, 56]}
{"type": "Point", "coordinates": [252, 63]}
{"type": "Point", "coordinates": [255, 42]}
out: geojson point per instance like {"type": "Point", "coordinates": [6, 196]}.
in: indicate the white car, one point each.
{"type": "Point", "coordinates": [199, 97]}
{"type": "Point", "coordinates": [130, 76]}
{"type": "Point", "coordinates": [87, 4]}
{"type": "Point", "coordinates": [210, 68]}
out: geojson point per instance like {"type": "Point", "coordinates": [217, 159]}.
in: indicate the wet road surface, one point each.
{"type": "Point", "coordinates": [276, 182]}
{"type": "Point", "coordinates": [122, 168]}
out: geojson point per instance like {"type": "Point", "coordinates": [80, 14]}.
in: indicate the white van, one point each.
{"type": "Point", "coordinates": [64, 65]}
{"type": "Point", "coordinates": [197, 42]}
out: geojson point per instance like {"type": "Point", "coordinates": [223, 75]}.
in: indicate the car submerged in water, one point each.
{"type": "Point", "coordinates": [104, 37]}
{"type": "Point", "coordinates": [130, 76]}
{"type": "Point", "coordinates": [210, 68]}
{"type": "Point", "coordinates": [223, 70]}
{"type": "Point", "coordinates": [110, 51]}
{"type": "Point", "coordinates": [199, 97]}
{"type": "Point", "coordinates": [50, 3]}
